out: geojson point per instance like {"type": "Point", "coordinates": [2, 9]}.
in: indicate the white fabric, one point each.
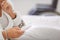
{"type": "Point", "coordinates": [1, 37]}
{"type": "Point", "coordinates": [41, 34]}
{"type": "Point", "coordinates": [42, 28]}
{"type": "Point", "coordinates": [46, 30]}
{"type": "Point", "coordinates": [17, 20]}
{"type": "Point", "coordinates": [5, 21]}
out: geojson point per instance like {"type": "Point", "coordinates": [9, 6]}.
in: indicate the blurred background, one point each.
{"type": "Point", "coordinates": [25, 6]}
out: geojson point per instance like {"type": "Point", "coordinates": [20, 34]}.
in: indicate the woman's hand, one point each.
{"type": "Point", "coordinates": [13, 33]}
{"type": "Point", "coordinates": [7, 8]}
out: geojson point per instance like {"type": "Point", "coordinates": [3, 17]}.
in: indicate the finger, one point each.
{"type": "Point", "coordinates": [5, 5]}
{"type": "Point", "coordinates": [17, 28]}
{"type": "Point", "coordinates": [20, 32]}
{"type": "Point", "coordinates": [10, 5]}
{"type": "Point", "coordinates": [4, 2]}
{"type": "Point", "coordinates": [17, 33]}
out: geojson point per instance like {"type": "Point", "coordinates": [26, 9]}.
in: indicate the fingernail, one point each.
{"type": "Point", "coordinates": [22, 31]}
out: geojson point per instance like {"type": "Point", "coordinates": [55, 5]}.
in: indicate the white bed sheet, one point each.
{"type": "Point", "coordinates": [42, 28]}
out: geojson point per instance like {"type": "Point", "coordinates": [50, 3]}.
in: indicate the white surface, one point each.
{"type": "Point", "coordinates": [37, 20]}
{"type": "Point", "coordinates": [6, 21]}
{"type": "Point", "coordinates": [41, 28]}
{"type": "Point", "coordinates": [10, 24]}
{"type": "Point", "coordinates": [1, 36]}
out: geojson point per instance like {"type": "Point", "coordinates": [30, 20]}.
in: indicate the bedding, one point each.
{"type": "Point", "coordinates": [41, 28]}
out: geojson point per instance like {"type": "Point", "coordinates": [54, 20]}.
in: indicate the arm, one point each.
{"type": "Point", "coordinates": [7, 7]}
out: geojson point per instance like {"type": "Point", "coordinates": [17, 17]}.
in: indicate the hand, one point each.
{"type": "Point", "coordinates": [1, 7]}
{"type": "Point", "coordinates": [7, 8]}
{"type": "Point", "coordinates": [13, 33]}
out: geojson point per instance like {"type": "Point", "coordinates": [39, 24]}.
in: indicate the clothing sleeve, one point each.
{"type": "Point", "coordinates": [1, 36]}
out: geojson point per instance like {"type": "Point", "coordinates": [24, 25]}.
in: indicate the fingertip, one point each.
{"type": "Point", "coordinates": [20, 31]}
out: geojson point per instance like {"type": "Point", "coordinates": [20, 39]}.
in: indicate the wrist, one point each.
{"type": "Point", "coordinates": [12, 15]}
